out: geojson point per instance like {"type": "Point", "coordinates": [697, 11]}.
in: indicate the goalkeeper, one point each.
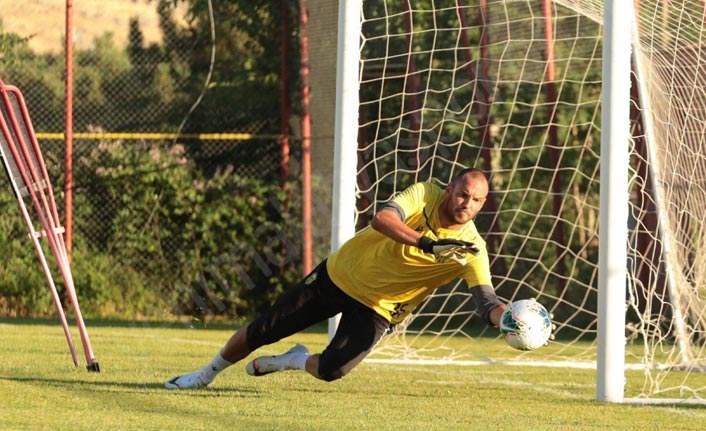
{"type": "Point", "coordinates": [421, 240]}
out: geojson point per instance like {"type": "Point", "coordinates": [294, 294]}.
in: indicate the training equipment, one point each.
{"type": "Point", "coordinates": [270, 364]}
{"type": "Point", "coordinates": [31, 185]}
{"type": "Point", "coordinates": [526, 325]}
{"type": "Point", "coordinates": [531, 92]}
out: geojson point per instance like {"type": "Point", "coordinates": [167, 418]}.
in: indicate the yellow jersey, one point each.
{"type": "Point", "coordinates": [394, 278]}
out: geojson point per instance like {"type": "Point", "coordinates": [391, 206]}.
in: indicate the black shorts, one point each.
{"type": "Point", "coordinates": [315, 299]}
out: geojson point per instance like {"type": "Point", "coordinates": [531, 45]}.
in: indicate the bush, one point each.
{"type": "Point", "coordinates": [153, 235]}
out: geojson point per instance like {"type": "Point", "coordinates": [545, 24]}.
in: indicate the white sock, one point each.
{"type": "Point", "coordinates": [298, 362]}
{"type": "Point", "coordinates": [217, 365]}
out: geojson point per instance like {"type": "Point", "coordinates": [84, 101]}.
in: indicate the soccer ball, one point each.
{"type": "Point", "coordinates": [526, 325]}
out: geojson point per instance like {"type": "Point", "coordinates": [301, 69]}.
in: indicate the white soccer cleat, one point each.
{"type": "Point", "coordinates": [270, 364]}
{"type": "Point", "coordinates": [195, 380]}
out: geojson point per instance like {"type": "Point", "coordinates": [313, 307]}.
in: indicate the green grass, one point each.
{"type": "Point", "coordinates": [40, 389]}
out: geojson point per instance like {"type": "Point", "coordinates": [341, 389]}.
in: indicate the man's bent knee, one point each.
{"type": "Point", "coordinates": [335, 364]}
{"type": "Point", "coordinates": [331, 375]}
{"type": "Point", "coordinates": [330, 370]}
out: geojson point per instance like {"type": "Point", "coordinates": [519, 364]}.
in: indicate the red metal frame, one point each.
{"type": "Point", "coordinates": [69, 131]}
{"type": "Point", "coordinates": [306, 136]}
{"type": "Point", "coordinates": [29, 163]}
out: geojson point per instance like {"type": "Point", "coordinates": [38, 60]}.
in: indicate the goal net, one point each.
{"type": "Point", "coordinates": [514, 87]}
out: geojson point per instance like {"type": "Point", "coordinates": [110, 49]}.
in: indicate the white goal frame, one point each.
{"type": "Point", "coordinates": [614, 165]}
{"type": "Point", "coordinates": [612, 254]}
{"type": "Point", "coordinates": [346, 129]}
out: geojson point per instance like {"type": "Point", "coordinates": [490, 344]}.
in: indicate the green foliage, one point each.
{"type": "Point", "coordinates": [23, 288]}
{"type": "Point", "coordinates": [243, 91]}
{"type": "Point", "coordinates": [162, 228]}
{"type": "Point", "coordinates": [152, 87]}
{"type": "Point", "coordinates": [170, 239]}
{"type": "Point", "coordinates": [11, 46]}
{"type": "Point", "coordinates": [222, 244]}
{"type": "Point", "coordinates": [107, 287]}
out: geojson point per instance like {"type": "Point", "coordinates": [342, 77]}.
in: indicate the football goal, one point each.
{"type": "Point", "coordinates": [590, 118]}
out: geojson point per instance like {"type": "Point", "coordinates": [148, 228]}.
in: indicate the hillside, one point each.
{"type": "Point", "coordinates": [44, 21]}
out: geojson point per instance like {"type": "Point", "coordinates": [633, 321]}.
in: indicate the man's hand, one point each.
{"type": "Point", "coordinates": [496, 313]}
{"type": "Point", "coordinates": [447, 248]}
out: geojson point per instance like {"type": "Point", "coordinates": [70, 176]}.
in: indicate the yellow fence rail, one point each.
{"type": "Point", "coordinates": [161, 136]}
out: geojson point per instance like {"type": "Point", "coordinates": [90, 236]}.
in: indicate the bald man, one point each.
{"type": "Point", "coordinates": [421, 240]}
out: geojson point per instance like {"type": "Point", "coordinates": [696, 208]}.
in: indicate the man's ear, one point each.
{"type": "Point", "coordinates": [449, 188]}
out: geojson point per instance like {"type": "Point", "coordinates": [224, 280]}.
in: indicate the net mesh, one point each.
{"type": "Point", "coordinates": [514, 87]}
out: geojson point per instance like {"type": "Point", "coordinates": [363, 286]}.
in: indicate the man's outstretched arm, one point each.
{"type": "Point", "coordinates": [389, 222]}
{"type": "Point", "coordinates": [488, 304]}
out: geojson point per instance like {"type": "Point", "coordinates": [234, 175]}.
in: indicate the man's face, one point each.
{"type": "Point", "coordinates": [465, 198]}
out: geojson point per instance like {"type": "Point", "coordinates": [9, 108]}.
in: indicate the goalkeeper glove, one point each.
{"type": "Point", "coordinates": [448, 248]}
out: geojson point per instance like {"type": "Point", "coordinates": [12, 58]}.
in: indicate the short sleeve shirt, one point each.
{"type": "Point", "coordinates": [394, 278]}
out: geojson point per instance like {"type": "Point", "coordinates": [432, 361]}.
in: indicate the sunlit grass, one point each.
{"type": "Point", "coordinates": [40, 389]}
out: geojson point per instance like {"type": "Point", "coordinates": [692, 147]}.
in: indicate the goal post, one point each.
{"type": "Point", "coordinates": [612, 254]}
{"type": "Point", "coordinates": [346, 130]}
{"type": "Point", "coordinates": [597, 174]}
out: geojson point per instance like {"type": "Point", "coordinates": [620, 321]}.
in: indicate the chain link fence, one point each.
{"type": "Point", "coordinates": [179, 200]}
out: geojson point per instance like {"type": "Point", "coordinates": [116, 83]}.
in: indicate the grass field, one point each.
{"type": "Point", "coordinates": [40, 390]}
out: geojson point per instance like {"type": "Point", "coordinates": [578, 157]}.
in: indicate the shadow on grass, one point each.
{"type": "Point", "coordinates": [104, 386]}
{"type": "Point", "coordinates": [320, 328]}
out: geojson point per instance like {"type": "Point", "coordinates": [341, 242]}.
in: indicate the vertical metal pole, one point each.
{"type": "Point", "coordinates": [284, 112]}
{"type": "Point", "coordinates": [306, 134]}
{"type": "Point", "coordinates": [284, 91]}
{"type": "Point", "coordinates": [346, 133]}
{"type": "Point", "coordinates": [557, 188]}
{"type": "Point", "coordinates": [484, 117]}
{"type": "Point", "coordinates": [612, 255]}
{"type": "Point", "coordinates": [412, 81]}
{"type": "Point", "coordinates": [68, 132]}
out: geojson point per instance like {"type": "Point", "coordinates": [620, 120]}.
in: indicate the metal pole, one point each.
{"type": "Point", "coordinates": [612, 254]}
{"type": "Point", "coordinates": [555, 153]}
{"type": "Point", "coordinates": [284, 91]}
{"type": "Point", "coordinates": [68, 133]}
{"type": "Point", "coordinates": [306, 135]}
{"type": "Point", "coordinates": [346, 133]}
